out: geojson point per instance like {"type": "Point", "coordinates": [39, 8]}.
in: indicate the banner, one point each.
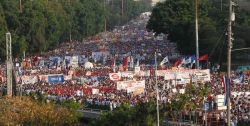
{"type": "Point", "coordinates": [67, 77]}
{"type": "Point", "coordinates": [29, 79]}
{"type": "Point", "coordinates": [43, 78]}
{"type": "Point", "coordinates": [131, 85]}
{"type": "Point", "coordinates": [185, 76]}
{"type": "Point", "coordinates": [55, 78]}
{"type": "Point", "coordinates": [95, 91]}
{"type": "Point", "coordinates": [115, 76]}
{"type": "Point", "coordinates": [74, 61]}
{"type": "Point", "coordinates": [137, 69]}
{"type": "Point", "coordinates": [98, 55]}
{"type": "Point", "coordinates": [82, 59]}
{"type": "Point", "coordinates": [129, 74]}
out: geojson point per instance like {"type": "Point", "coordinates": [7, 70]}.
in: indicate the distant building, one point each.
{"type": "Point", "coordinates": [154, 2]}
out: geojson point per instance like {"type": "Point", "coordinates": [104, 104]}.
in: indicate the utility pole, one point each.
{"type": "Point", "coordinates": [196, 34]}
{"type": "Point", "coordinates": [220, 5]}
{"type": "Point", "coordinates": [20, 6]}
{"type": "Point", "coordinates": [157, 91]}
{"type": "Point", "coordinates": [9, 64]}
{"type": "Point", "coordinates": [122, 9]}
{"type": "Point", "coordinates": [105, 19]}
{"type": "Point", "coordinates": [229, 46]}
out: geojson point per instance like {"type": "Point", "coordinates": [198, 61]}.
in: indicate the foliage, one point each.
{"type": "Point", "coordinates": [126, 115]}
{"type": "Point", "coordinates": [40, 25]}
{"type": "Point", "coordinates": [25, 111]}
{"type": "Point", "coordinates": [177, 18]}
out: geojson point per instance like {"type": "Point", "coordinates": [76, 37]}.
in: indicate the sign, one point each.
{"type": "Point", "coordinates": [206, 106]}
{"type": "Point", "coordinates": [114, 76]}
{"type": "Point", "coordinates": [220, 100]}
{"type": "Point", "coordinates": [55, 78]}
{"type": "Point", "coordinates": [129, 74]}
{"type": "Point", "coordinates": [137, 69]}
{"type": "Point", "coordinates": [43, 78]}
{"type": "Point", "coordinates": [29, 79]}
{"type": "Point", "coordinates": [131, 85]}
{"type": "Point", "coordinates": [185, 76]}
{"type": "Point", "coordinates": [74, 61]}
{"type": "Point", "coordinates": [95, 91]}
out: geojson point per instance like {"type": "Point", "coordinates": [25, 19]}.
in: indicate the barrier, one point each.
{"type": "Point", "coordinates": [197, 118]}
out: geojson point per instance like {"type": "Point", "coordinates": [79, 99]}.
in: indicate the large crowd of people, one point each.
{"type": "Point", "coordinates": [86, 66]}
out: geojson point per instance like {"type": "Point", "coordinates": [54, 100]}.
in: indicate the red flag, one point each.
{"type": "Point", "coordinates": [178, 62]}
{"type": "Point", "coordinates": [152, 72]}
{"type": "Point", "coordinates": [113, 62]}
{"type": "Point", "coordinates": [125, 63]}
{"type": "Point", "coordinates": [203, 58]}
{"type": "Point", "coordinates": [35, 59]}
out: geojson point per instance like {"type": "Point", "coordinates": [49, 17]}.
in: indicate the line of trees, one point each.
{"type": "Point", "coordinates": [39, 25]}
{"type": "Point", "coordinates": [177, 18]}
{"type": "Point", "coordinates": [144, 113]}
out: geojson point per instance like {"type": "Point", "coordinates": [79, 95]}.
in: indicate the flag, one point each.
{"type": "Point", "coordinates": [223, 82]}
{"type": "Point", "coordinates": [184, 60]}
{"type": "Point", "coordinates": [153, 63]}
{"type": "Point", "coordinates": [41, 63]}
{"type": "Point", "coordinates": [131, 62]}
{"type": "Point", "coordinates": [177, 63]}
{"type": "Point", "coordinates": [35, 59]}
{"type": "Point", "coordinates": [189, 60]}
{"type": "Point", "coordinates": [203, 58]}
{"type": "Point", "coordinates": [226, 81]}
{"type": "Point", "coordinates": [165, 60]}
{"type": "Point", "coordinates": [138, 62]}
{"type": "Point", "coordinates": [193, 58]}
{"type": "Point", "coordinates": [125, 63]}
{"type": "Point", "coordinates": [242, 77]}
{"type": "Point", "coordinates": [113, 64]}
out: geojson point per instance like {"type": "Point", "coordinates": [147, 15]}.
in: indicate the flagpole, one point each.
{"type": "Point", "coordinates": [196, 34]}
{"type": "Point", "coordinates": [157, 91]}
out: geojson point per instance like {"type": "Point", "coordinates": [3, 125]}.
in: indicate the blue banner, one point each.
{"type": "Point", "coordinates": [55, 78]}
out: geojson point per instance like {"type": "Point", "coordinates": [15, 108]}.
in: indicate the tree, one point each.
{"type": "Point", "coordinates": [43, 25]}
{"type": "Point", "coordinates": [176, 18]}
{"type": "Point", "coordinates": [126, 115]}
{"type": "Point", "coordinates": [25, 111]}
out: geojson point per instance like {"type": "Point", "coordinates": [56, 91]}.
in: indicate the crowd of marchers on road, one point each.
{"type": "Point", "coordinates": [86, 67]}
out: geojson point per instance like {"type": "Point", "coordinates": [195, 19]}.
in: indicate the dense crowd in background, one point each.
{"type": "Point", "coordinates": [92, 72]}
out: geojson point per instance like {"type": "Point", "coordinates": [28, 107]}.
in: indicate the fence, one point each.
{"type": "Point", "coordinates": [198, 118]}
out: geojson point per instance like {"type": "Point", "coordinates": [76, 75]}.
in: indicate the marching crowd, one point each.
{"type": "Point", "coordinates": [92, 84]}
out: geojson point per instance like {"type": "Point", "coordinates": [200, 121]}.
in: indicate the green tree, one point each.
{"type": "Point", "coordinates": [176, 18]}
{"type": "Point", "coordinates": [25, 111]}
{"type": "Point", "coordinates": [43, 24]}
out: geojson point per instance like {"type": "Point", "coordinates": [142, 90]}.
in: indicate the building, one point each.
{"type": "Point", "coordinates": [156, 1]}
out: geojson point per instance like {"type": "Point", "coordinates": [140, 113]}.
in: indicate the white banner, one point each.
{"type": "Point", "coordinates": [185, 76]}
{"type": "Point", "coordinates": [127, 74]}
{"type": "Point", "coordinates": [130, 85]}
{"type": "Point", "coordinates": [74, 62]}
{"type": "Point", "coordinates": [95, 91]}
{"type": "Point", "coordinates": [29, 79]}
